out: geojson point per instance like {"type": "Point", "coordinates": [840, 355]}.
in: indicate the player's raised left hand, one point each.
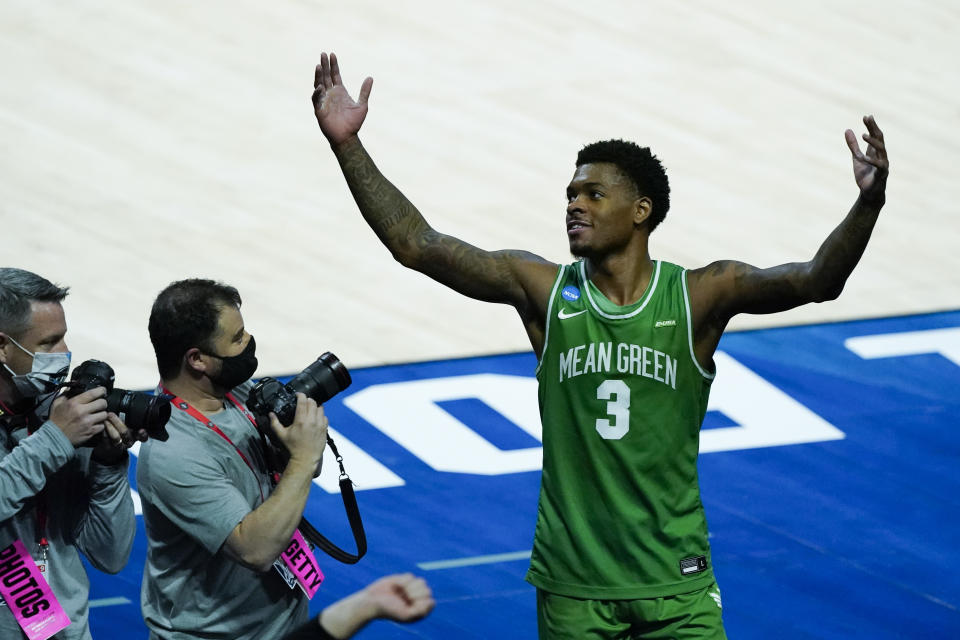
{"type": "Point", "coordinates": [870, 169]}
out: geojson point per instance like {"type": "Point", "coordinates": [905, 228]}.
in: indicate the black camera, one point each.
{"type": "Point", "coordinates": [137, 410]}
{"type": "Point", "coordinates": [322, 380]}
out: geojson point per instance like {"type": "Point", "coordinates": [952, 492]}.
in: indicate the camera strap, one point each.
{"type": "Point", "coordinates": [308, 530]}
{"type": "Point", "coordinates": [353, 515]}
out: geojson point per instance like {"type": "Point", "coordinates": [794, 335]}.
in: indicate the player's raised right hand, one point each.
{"type": "Point", "coordinates": [339, 116]}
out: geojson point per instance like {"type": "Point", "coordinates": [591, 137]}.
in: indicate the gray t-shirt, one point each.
{"type": "Point", "coordinates": [195, 489]}
{"type": "Point", "coordinates": [89, 511]}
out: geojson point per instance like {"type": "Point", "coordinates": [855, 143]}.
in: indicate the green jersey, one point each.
{"type": "Point", "coordinates": [622, 397]}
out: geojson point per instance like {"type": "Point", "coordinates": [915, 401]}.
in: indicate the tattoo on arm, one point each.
{"type": "Point", "coordinates": [383, 206]}
{"type": "Point", "coordinates": [735, 287]}
{"type": "Point", "coordinates": [401, 227]}
{"type": "Point", "coordinates": [843, 248]}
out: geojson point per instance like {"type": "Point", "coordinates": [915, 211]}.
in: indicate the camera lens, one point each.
{"type": "Point", "coordinates": [137, 410]}
{"type": "Point", "coordinates": [323, 379]}
{"type": "Point", "coordinates": [141, 411]}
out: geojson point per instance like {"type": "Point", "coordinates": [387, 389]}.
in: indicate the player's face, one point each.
{"type": "Point", "coordinates": [603, 207]}
{"type": "Point", "coordinates": [46, 334]}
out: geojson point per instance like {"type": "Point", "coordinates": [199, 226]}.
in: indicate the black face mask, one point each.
{"type": "Point", "coordinates": [237, 369]}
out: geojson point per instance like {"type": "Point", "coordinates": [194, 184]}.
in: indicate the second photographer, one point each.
{"type": "Point", "coordinates": [217, 517]}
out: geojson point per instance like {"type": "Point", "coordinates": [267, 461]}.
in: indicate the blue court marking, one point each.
{"type": "Point", "coordinates": [490, 424]}
{"type": "Point", "coordinates": [852, 538]}
{"type": "Point", "coordinates": [716, 420]}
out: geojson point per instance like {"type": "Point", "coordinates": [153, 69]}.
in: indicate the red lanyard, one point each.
{"type": "Point", "coordinates": [41, 510]}
{"type": "Point", "coordinates": [194, 413]}
{"type": "Point", "coordinates": [42, 520]}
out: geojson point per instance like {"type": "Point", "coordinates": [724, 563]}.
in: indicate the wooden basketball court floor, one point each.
{"type": "Point", "coordinates": [147, 143]}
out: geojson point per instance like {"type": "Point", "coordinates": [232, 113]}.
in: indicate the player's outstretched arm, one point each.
{"type": "Point", "coordinates": [723, 289]}
{"type": "Point", "coordinates": [511, 277]}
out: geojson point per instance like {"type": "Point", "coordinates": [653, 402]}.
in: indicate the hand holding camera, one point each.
{"type": "Point", "coordinates": [113, 442]}
{"type": "Point", "coordinates": [80, 417]}
{"type": "Point", "coordinates": [316, 384]}
{"type": "Point", "coordinates": [323, 379]}
{"type": "Point", "coordinates": [295, 405]}
{"type": "Point", "coordinates": [144, 414]}
{"type": "Point", "coordinates": [306, 436]}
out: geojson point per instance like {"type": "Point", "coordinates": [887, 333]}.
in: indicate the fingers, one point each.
{"type": "Point", "coordinates": [876, 152]}
{"type": "Point", "coordinates": [93, 405]}
{"type": "Point", "coordinates": [416, 588]}
{"type": "Point", "coordinates": [335, 69]}
{"type": "Point", "coordinates": [417, 594]}
{"type": "Point", "coordinates": [307, 409]}
{"type": "Point", "coordinates": [119, 433]}
{"type": "Point", "coordinates": [81, 417]}
{"type": "Point", "coordinates": [88, 401]}
{"type": "Point", "coordinates": [422, 607]}
{"type": "Point", "coordinates": [89, 396]}
{"type": "Point", "coordinates": [322, 417]}
{"type": "Point", "coordinates": [408, 587]}
{"type": "Point", "coordinates": [326, 75]}
{"type": "Point", "coordinates": [113, 430]}
{"type": "Point", "coordinates": [872, 141]}
{"type": "Point", "coordinates": [278, 428]}
{"type": "Point", "coordinates": [111, 433]}
{"type": "Point", "coordinates": [872, 127]}
{"type": "Point", "coordinates": [325, 78]}
{"type": "Point", "coordinates": [852, 143]}
{"type": "Point", "coordinates": [365, 90]}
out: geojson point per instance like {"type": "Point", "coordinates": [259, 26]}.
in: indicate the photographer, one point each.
{"type": "Point", "coordinates": [57, 498]}
{"type": "Point", "coordinates": [216, 521]}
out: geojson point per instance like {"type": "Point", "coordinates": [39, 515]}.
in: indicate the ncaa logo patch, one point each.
{"type": "Point", "coordinates": [570, 293]}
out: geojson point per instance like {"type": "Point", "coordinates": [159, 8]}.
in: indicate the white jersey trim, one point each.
{"type": "Point", "coordinates": [648, 294]}
{"type": "Point", "coordinates": [686, 303]}
{"type": "Point", "coordinates": [561, 276]}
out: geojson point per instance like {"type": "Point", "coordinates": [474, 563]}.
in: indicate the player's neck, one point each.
{"type": "Point", "coordinates": [621, 277]}
{"type": "Point", "coordinates": [200, 393]}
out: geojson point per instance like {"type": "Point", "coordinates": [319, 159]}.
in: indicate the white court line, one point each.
{"type": "Point", "coordinates": [467, 562]}
{"type": "Point", "coordinates": [108, 602]}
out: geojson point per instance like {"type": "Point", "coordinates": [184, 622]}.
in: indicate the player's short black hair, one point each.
{"type": "Point", "coordinates": [640, 165]}
{"type": "Point", "coordinates": [186, 315]}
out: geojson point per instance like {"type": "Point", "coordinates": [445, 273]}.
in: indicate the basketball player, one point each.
{"type": "Point", "coordinates": [625, 346]}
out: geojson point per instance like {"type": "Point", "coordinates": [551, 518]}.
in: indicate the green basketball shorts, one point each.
{"type": "Point", "coordinates": [687, 616]}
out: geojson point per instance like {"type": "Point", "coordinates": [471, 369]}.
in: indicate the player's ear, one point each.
{"type": "Point", "coordinates": [643, 207]}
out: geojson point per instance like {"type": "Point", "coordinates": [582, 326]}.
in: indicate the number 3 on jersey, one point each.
{"type": "Point", "coordinates": [617, 393]}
